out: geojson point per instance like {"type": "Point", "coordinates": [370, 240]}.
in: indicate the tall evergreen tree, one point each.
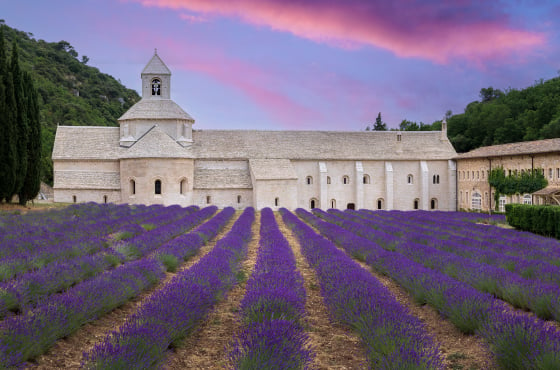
{"type": "Point", "coordinates": [32, 182]}
{"type": "Point", "coordinates": [20, 120]}
{"type": "Point", "coordinates": [7, 126]}
{"type": "Point", "coordinates": [379, 124]}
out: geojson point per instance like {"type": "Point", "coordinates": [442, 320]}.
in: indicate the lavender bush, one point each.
{"type": "Point", "coordinates": [394, 339]}
{"type": "Point", "coordinates": [173, 311]}
{"type": "Point", "coordinates": [534, 343]}
{"type": "Point", "coordinates": [273, 308]}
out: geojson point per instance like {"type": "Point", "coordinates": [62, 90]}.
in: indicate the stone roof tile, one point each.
{"type": "Point", "coordinates": [86, 142]}
{"type": "Point", "coordinates": [103, 143]}
{"type": "Point", "coordinates": [225, 178]}
{"type": "Point", "coordinates": [87, 180]}
{"type": "Point", "coordinates": [155, 144]}
{"type": "Point", "coordinates": [272, 169]}
{"type": "Point", "coordinates": [156, 66]}
{"type": "Point", "coordinates": [156, 109]}
{"type": "Point", "coordinates": [521, 148]}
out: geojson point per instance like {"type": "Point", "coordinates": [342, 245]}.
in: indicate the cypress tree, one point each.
{"type": "Point", "coordinates": [32, 182]}
{"type": "Point", "coordinates": [7, 126]}
{"type": "Point", "coordinates": [20, 121]}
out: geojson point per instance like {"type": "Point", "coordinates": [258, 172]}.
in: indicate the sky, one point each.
{"type": "Point", "coordinates": [309, 64]}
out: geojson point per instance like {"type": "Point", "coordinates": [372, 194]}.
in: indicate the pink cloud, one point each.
{"type": "Point", "coordinates": [251, 80]}
{"type": "Point", "coordinates": [472, 30]}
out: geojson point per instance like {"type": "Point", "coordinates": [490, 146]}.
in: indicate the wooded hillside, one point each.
{"type": "Point", "coordinates": [69, 91]}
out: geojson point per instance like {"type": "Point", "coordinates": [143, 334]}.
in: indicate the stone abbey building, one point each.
{"type": "Point", "coordinates": [155, 157]}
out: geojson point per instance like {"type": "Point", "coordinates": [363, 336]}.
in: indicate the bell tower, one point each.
{"type": "Point", "coordinates": [156, 79]}
{"type": "Point", "coordinates": [156, 109]}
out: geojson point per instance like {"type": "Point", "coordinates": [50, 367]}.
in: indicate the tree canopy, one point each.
{"type": "Point", "coordinates": [506, 117]}
{"type": "Point", "coordinates": [69, 92]}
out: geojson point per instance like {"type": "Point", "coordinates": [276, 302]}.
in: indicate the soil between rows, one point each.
{"type": "Point", "coordinates": [67, 352]}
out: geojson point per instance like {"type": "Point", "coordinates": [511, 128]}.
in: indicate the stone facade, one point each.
{"type": "Point", "coordinates": [473, 168]}
{"type": "Point", "coordinates": [155, 157]}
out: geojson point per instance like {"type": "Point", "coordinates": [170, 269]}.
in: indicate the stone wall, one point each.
{"type": "Point", "coordinates": [237, 198]}
{"type": "Point", "coordinates": [175, 175]}
{"type": "Point", "coordinates": [472, 176]}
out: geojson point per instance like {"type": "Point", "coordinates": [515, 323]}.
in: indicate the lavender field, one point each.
{"type": "Point", "coordinates": [118, 287]}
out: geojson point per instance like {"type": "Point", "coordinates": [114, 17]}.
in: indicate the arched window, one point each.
{"type": "Point", "coordinates": [276, 202]}
{"type": "Point", "coordinates": [238, 199]}
{"type": "Point", "coordinates": [328, 180]}
{"type": "Point", "coordinates": [527, 199]}
{"type": "Point", "coordinates": [502, 204]}
{"type": "Point", "coordinates": [313, 203]}
{"type": "Point", "coordinates": [208, 199]}
{"type": "Point", "coordinates": [380, 203]}
{"type": "Point", "coordinates": [156, 86]}
{"type": "Point", "coordinates": [333, 203]}
{"type": "Point", "coordinates": [416, 203]}
{"type": "Point", "coordinates": [132, 187]}
{"type": "Point", "coordinates": [435, 179]}
{"type": "Point", "coordinates": [476, 201]}
{"type": "Point", "coordinates": [74, 199]}
{"type": "Point", "coordinates": [346, 180]}
{"type": "Point", "coordinates": [183, 186]}
{"type": "Point", "coordinates": [157, 187]}
{"type": "Point", "coordinates": [366, 179]}
{"type": "Point", "coordinates": [433, 203]}
{"type": "Point", "coordinates": [104, 199]}
{"type": "Point", "coordinates": [309, 180]}
{"type": "Point", "coordinates": [410, 179]}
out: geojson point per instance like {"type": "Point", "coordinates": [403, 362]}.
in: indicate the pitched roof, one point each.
{"type": "Point", "coordinates": [225, 178]}
{"type": "Point", "coordinates": [521, 148]}
{"type": "Point", "coordinates": [87, 180]}
{"type": "Point", "coordinates": [155, 143]}
{"type": "Point", "coordinates": [73, 142]}
{"type": "Point", "coordinates": [320, 145]}
{"type": "Point", "coordinates": [272, 169]}
{"type": "Point", "coordinates": [156, 109]}
{"type": "Point", "coordinates": [156, 66]}
{"type": "Point", "coordinates": [86, 142]}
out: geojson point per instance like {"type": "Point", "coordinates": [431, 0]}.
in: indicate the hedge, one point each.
{"type": "Point", "coordinates": [543, 220]}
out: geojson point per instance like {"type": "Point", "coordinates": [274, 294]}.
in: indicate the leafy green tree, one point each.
{"type": "Point", "coordinates": [517, 183]}
{"type": "Point", "coordinates": [379, 124]}
{"type": "Point", "coordinates": [406, 125]}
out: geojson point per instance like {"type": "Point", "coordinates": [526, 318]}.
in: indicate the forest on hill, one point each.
{"type": "Point", "coordinates": [501, 117]}
{"type": "Point", "coordinates": [509, 116]}
{"type": "Point", "coordinates": [70, 92]}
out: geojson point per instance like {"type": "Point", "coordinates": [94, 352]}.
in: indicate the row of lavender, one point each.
{"type": "Point", "coordinates": [518, 341]}
{"type": "Point", "coordinates": [172, 312]}
{"type": "Point", "coordinates": [505, 277]}
{"type": "Point", "coordinates": [394, 339]}
{"type": "Point", "coordinates": [85, 238]}
{"type": "Point", "coordinates": [23, 292]}
{"type": "Point", "coordinates": [25, 336]}
{"type": "Point", "coordinates": [272, 311]}
{"type": "Point", "coordinates": [507, 241]}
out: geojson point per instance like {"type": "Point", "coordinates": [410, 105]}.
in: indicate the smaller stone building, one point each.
{"type": "Point", "coordinates": [474, 191]}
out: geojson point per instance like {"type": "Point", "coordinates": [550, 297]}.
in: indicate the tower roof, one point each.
{"type": "Point", "coordinates": [156, 66]}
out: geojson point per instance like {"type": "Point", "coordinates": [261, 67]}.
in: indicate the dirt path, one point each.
{"type": "Point", "coordinates": [334, 345]}
{"type": "Point", "coordinates": [460, 351]}
{"type": "Point", "coordinates": [67, 352]}
{"type": "Point", "coordinates": [207, 348]}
